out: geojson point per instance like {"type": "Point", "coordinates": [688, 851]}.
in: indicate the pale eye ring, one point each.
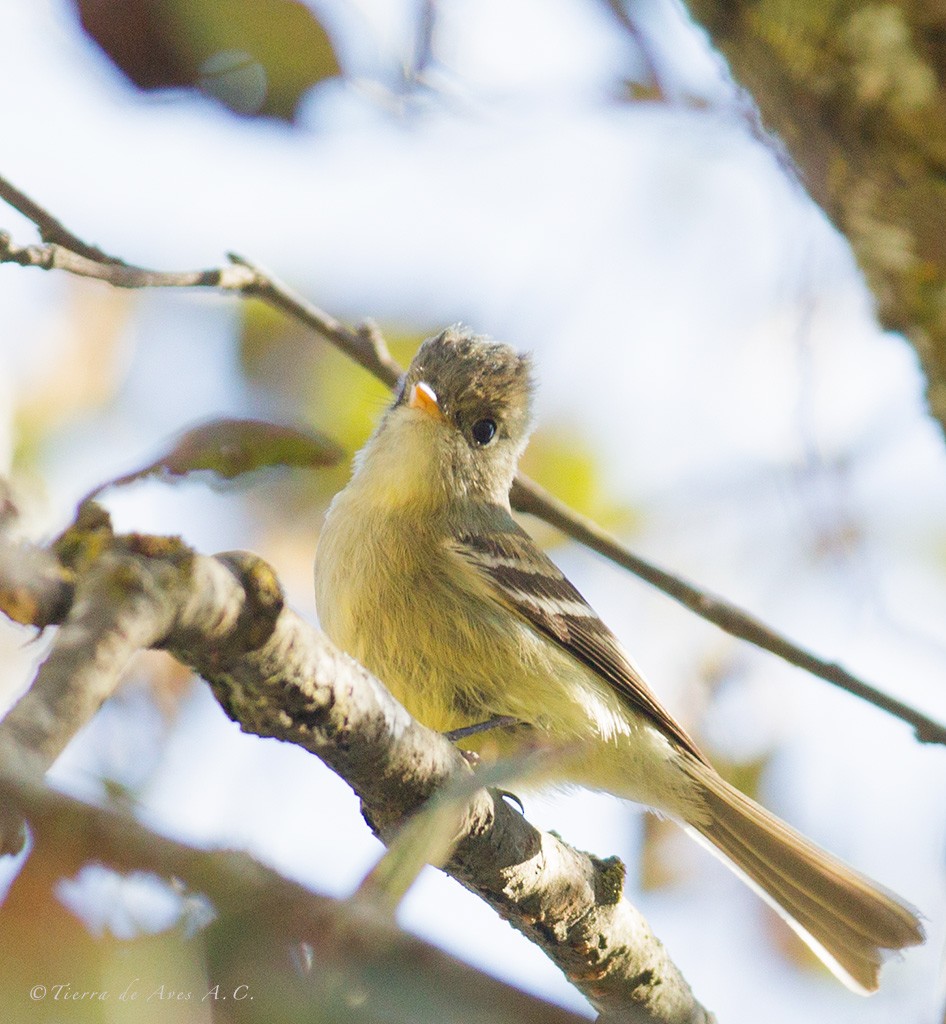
{"type": "Point", "coordinates": [484, 431]}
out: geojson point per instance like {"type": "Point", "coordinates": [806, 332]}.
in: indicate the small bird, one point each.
{"type": "Point", "coordinates": [424, 577]}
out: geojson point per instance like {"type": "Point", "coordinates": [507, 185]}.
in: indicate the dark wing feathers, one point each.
{"type": "Point", "coordinates": [525, 580]}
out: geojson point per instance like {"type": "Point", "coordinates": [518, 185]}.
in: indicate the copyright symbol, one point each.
{"type": "Point", "coordinates": [38, 992]}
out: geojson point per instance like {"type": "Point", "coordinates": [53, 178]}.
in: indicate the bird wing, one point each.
{"type": "Point", "coordinates": [525, 580]}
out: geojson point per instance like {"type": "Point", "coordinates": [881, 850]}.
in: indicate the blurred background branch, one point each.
{"type": "Point", "coordinates": [362, 968]}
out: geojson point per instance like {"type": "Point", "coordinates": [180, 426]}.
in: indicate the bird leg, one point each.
{"type": "Point", "coordinates": [499, 722]}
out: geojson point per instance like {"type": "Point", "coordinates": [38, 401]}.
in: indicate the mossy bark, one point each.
{"type": "Point", "coordinates": [857, 93]}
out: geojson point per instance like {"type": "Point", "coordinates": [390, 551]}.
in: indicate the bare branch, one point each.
{"type": "Point", "coordinates": [122, 275]}
{"type": "Point", "coordinates": [366, 346]}
{"type": "Point", "coordinates": [57, 257]}
{"type": "Point", "coordinates": [278, 676]}
{"type": "Point", "coordinates": [527, 496]}
{"type": "Point", "coordinates": [50, 229]}
{"type": "Point", "coordinates": [118, 608]}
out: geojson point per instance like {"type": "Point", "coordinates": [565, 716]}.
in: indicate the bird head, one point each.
{"type": "Point", "coordinates": [460, 419]}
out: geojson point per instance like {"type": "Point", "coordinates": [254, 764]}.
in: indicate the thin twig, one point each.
{"type": "Point", "coordinates": [423, 55]}
{"type": "Point", "coordinates": [54, 256]}
{"type": "Point", "coordinates": [620, 12]}
{"type": "Point", "coordinates": [530, 497]}
{"type": "Point", "coordinates": [367, 347]}
{"type": "Point", "coordinates": [365, 344]}
{"type": "Point", "coordinates": [50, 229]}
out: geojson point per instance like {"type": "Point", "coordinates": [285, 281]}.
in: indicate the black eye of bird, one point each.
{"type": "Point", "coordinates": [484, 431]}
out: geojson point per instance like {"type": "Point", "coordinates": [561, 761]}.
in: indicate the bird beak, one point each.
{"type": "Point", "coordinates": [424, 398]}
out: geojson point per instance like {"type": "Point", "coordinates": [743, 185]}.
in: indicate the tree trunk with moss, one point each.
{"type": "Point", "coordinates": [856, 91]}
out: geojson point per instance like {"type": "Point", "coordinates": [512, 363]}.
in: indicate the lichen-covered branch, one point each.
{"type": "Point", "coordinates": [857, 93]}
{"type": "Point", "coordinates": [278, 676]}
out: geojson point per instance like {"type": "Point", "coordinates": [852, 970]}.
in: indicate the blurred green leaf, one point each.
{"type": "Point", "coordinates": [563, 461]}
{"type": "Point", "coordinates": [314, 382]}
{"type": "Point", "coordinates": [349, 397]}
{"type": "Point", "coordinates": [664, 854]}
{"type": "Point", "coordinates": [256, 57]}
{"type": "Point", "coordinates": [747, 775]}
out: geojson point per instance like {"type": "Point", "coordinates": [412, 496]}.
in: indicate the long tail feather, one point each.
{"type": "Point", "coordinates": [847, 919]}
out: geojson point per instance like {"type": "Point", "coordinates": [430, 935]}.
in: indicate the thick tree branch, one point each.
{"type": "Point", "coordinates": [366, 346]}
{"type": "Point", "coordinates": [857, 92]}
{"type": "Point", "coordinates": [35, 590]}
{"type": "Point", "coordinates": [280, 677]}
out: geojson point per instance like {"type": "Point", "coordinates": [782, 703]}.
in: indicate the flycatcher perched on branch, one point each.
{"type": "Point", "coordinates": [424, 577]}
